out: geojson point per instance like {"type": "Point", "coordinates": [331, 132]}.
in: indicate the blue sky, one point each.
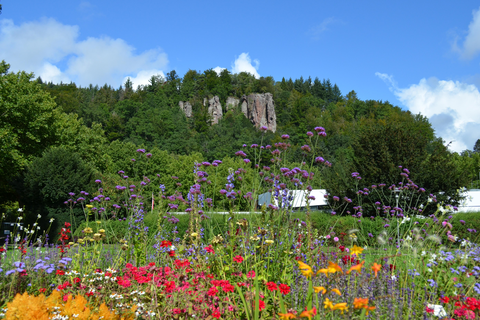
{"type": "Point", "coordinates": [423, 56]}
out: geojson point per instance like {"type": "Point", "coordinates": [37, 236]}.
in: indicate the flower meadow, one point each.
{"type": "Point", "coordinates": [268, 264]}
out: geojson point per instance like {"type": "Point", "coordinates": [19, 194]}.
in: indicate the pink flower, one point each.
{"type": "Point", "coordinates": [335, 239]}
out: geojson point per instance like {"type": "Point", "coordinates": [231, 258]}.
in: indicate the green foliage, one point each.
{"type": "Point", "coordinates": [27, 124]}
{"type": "Point", "coordinates": [47, 182]}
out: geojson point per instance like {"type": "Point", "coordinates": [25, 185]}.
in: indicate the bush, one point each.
{"type": "Point", "coordinates": [46, 186]}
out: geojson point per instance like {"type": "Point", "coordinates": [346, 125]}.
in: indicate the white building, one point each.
{"type": "Point", "coordinates": [299, 201]}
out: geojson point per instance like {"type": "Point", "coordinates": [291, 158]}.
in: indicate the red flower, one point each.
{"type": "Point", "coordinates": [251, 274]}
{"type": "Point", "coordinates": [171, 253]}
{"type": "Point", "coordinates": [241, 284]}
{"type": "Point", "coordinates": [428, 310]}
{"type": "Point", "coordinates": [165, 243]}
{"type": "Point", "coordinates": [67, 224]}
{"type": "Point", "coordinates": [211, 276]}
{"type": "Point", "coordinates": [60, 273]}
{"type": "Point", "coordinates": [209, 249]}
{"type": "Point", "coordinates": [216, 314]}
{"type": "Point", "coordinates": [2, 250]}
{"type": "Point", "coordinates": [76, 280]}
{"type": "Point", "coordinates": [261, 304]}
{"type": "Point", "coordinates": [42, 290]}
{"type": "Point", "coordinates": [342, 248]}
{"type": "Point", "coordinates": [285, 289]}
{"type": "Point", "coordinates": [238, 259]}
{"type": "Point", "coordinates": [88, 294]}
{"type": "Point", "coordinates": [228, 288]}
{"type": "Point", "coordinates": [272, 286]}
{"type": "Point", "coordinates": [445, 299]}
{"type": "Point", "coordinates": [212, 291]}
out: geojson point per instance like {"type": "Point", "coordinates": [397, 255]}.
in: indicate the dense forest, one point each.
{"type": "Point", "coordinates": [60, 138]}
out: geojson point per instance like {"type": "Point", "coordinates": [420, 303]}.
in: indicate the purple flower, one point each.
{"type": "Point", "coordinates": [246, 160]}
{"type": "Point", "coordinates": [148, 155]}
{"type": "Point", "coordinates": [386, 225]}
{"type": "Point", "coordinates": [310, 134]}
{"type": "Point", "coordinates": [462, 222]}
{"type": "Point", "coordinates": [98, 181]}
{"type": "Point", "coordinates": [141, 150]}
{"type": "Point", "coordinates": [133, 160]}
{"type": "Point", "coordinates": [263, 128]}
{"type": "Point", "coordinates": [285, 136]}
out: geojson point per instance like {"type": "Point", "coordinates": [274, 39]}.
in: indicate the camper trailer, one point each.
{"type": "Point", "coordinates": [299, 201]}
{"type": "Point", "coordinates": [471, 202]}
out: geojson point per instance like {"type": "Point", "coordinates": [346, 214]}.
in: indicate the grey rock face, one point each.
{"type": "Point", "coordinates": [260, 110]}
{"type": "Point", "coordinates": [214, 109]}
{"type": "Point", "coordinates": [232, 103]}
{"type": "Point", "coordinates": [186, 108]}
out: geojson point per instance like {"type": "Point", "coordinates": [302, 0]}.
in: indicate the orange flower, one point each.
{"type": "Point", "coordinates": [357, 268]}
{"type": "Point", "coordinates": [308, 313]}
{"type": "Point", "coordinates": [376, 267]}
{"type": "Point", "coordinates": [340, 306]}
{"type": "Point", "coordinates": [359, 303]}
{"type": "Point", "coordinates": [322, 290]}
{"type": "Point", "coordinates": [305, 269]}
{"type": "Point", "coordinates": [286, 316]}
{"type": "Point", "coordinates": [332, 268]}
{"type": "Point", "coordinates": [369, 309]}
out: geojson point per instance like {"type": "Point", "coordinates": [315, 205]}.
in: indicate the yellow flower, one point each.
{"type": "Point", "coordinates": [356, 250]}
{"type": "Point", "coordinates": [101, 230]}
{"type": "Point", "coordinates": [88, 230]}
{"type": "Point", "coordinates": [322, 290]}
{"type": "Point", "coordinates": [98, 222]}
{"type": "Point", "coordinates": [328, 304]}
{"type": "Point", "coordinates": [336, 291]}
{"type": "Point", "coordinates": [89, 206]}
{"type": "Point", "coordinates": [268, 241]}
{"type": "Point", "coordinates": [305, 269]}
{"type": "Point", "coordinates": [340, 306]}
{"type": "Point", "coordinates": [194, 234]}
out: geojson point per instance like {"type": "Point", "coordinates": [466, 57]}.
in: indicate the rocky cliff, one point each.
{"type": "Point", "coordinates": [214, 109]}
{"type": "Point", "coordinates": [260, 110]}
{"type": "Point", "coordinates": [186, 108]}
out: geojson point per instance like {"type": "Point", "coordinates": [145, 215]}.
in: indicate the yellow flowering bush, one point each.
{"type": "Point", "coordinates": [43, 308]}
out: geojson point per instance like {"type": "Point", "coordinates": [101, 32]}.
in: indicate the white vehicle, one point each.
{"type": "Point", "coordinates": [299, 201]}
{"type": "Point", "coordinates": [471, 202]}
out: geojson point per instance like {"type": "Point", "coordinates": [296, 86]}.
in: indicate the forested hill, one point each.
{"type": "Point", "coordinates": [103, 126]}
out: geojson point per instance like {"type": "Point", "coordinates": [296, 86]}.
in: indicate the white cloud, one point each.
{"type": "Point", "coordinates": [452, 107]}
{"type": "Point", "coordinates": [471, 45]}
{"type": "Point", "coordinates": [321, 28]}
{"type": "Point", "coordinates": [43, 46]}
{"type": "Point", "coordinates": [244, 64]}
{"type": "Point", "coordinates": [142, 78]}
{"type": "Point", "coordinates": [218, 70]}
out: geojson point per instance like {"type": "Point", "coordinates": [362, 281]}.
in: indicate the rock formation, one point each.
{"type": "Point", "coordinates": [214, 109]}
{"type": "Point", "coordinates": [232, 103]}
{"type": "Point", "coordinates": [259, 108]}
{"type": "Point", "coordinates": [186, 108]}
